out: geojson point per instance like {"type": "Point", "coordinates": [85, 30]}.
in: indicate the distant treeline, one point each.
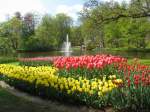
{"type": "Point", "coordinates": [102, 24]}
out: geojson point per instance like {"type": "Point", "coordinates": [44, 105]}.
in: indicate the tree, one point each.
{"type": "Point", "coordinates": [111, 21]}
{"type": "Point", "coordinates": [18, 15]}
{"type": "Point", "coordinates": [116, 33]}
{"type": "Point", "coordinates": [44, 38]}
{"type": "Point", "coordinates": [48, 35]}
{"type": "Point", "coordinates": [127, 32]}
{"type": "Point", "coordinates": [138, 31]}
{"type": "Point", "coordinates": [29, 23]}
{"type": "Point", "coordinates": [112, 11]}
{"type": "Point", "coordinates": [76, 36]}
{"type": "Point", "coordinates": [93, 31]}
{"type": "Point", "coordinates": [63, 26]}
{"type": "Point", "coordinates": [11, 31]}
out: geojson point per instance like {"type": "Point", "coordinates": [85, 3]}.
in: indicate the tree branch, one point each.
{"type": "Point", "coordinates": [114, 13]}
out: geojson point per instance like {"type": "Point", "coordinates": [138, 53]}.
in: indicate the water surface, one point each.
{"type": "Point", "coordinates": [126, 54]}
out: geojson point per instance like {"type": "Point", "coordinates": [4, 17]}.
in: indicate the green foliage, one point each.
{"type": "Point", "coordinates": [127, 32]}
{"type": "Point", "coordinates": [49, 34]}
{"type": "Point", "coordinates": [91, 46]}
{"type": "Point", "coordinates": [45, 32]}
{"type": "Point", "coordinates": [92, 33]}
{"type": "Point", "coordinates": [77, 38]}
{"type": "Point", "coordinates": [7, 60]}
{"type": "Point", "coordinates": [44, 37]}
{"type": "Point", "coordinates": [35, 63]}
{"type": "Point", "coordinates": [116, 24]}
{"type": "Point", "coordinates": [132, 98]}
{"type": "Point", "coordinates": [10, 34]}
{"type": "Point", "coordinates": [102, 24]}
{"type": "Point", "coordinates": [63, 25]}
{"type": "Point", "coordinates": [5, 45]}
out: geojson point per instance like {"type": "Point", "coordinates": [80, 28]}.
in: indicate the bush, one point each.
{"type": "Point", "coordinates": [91, 46]}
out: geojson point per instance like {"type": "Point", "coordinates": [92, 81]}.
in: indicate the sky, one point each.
{"type": "Point", "coordinates": [69, 7]}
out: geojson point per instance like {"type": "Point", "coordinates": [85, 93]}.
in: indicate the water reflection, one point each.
{"type": "Point", "coordinates": [142, 55]}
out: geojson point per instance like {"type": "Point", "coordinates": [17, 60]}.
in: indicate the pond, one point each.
{"type": "Point", "coordinates": [126, 54]}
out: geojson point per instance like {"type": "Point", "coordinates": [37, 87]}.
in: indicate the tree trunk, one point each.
{"type": "Point", "coordinates": [102, 43]}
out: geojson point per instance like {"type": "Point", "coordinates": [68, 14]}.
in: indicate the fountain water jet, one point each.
{"type": "Point", "coordinates": [66, 48]}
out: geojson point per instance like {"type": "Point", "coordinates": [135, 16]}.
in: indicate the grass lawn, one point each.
{"type": "Point", "coordinates": [130, 61]}
{"type": "Point", "coordinates": [11, 103]}
{"type": "Point", "coordinates": [129, 49]}
{"type": "Point", "coordinates": [14, 63]}
{"type": "Point", "coordinates": [141, 61]}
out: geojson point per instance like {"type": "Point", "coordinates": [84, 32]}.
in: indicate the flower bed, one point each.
{"type": "Point", "coordinates": [45, 82]}
{"type": "Point", "coordinates": [89, 62]}
{"type": "Point", "coordinates": [135, 93]}
{"type": "Point", "coordinates": [86, 79]}
{"type": "Point", "coordinates": [39, 61]}
{"type": "Point", "coordinates": [88, 66]}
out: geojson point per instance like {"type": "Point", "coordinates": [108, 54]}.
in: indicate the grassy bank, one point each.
{"type": "Point", "coordinates": [129, 49]}
{"type": "Point", "coordinates": [130, 61]}
{"type": "Point", "coordinates": [141, 61]}
{"type": "Point", "coordinates": [7, 59]}
{"type": "Point", "coordinates": [11, 103]}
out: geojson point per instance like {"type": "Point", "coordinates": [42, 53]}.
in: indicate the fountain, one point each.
{"type": "Point", "coordinates": [66, 48]}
